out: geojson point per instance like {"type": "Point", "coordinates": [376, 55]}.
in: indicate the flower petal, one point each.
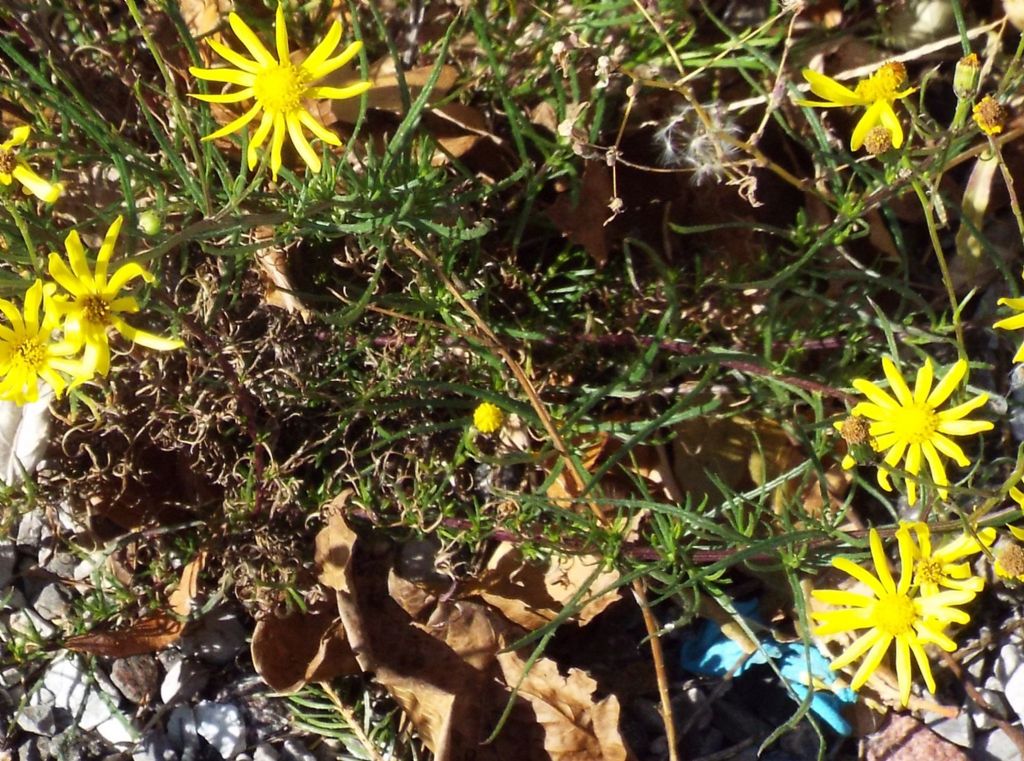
{"type": "Point", "coordinates": [44, 190]}
{"type": "Point", "coordinates": [872, 660]}
{"type": "Point", "coordinates": [124, 275]}
{"type": "Point", "coordinates": [955, 413]}
{"type": "Point", "coordinates": [281, 35]}
{"type": "Point", "coordinates": [948, 384]}
{"type": "Point", "coordinates": [340, 93]}
{"type": "Point", "coordinates": [951, 449]}
{"type": "Point", "coordinates": [60, 272]}
{"type": "Point", "coordinates": [1010, 323]}
{"type": "Point", "coordinates": [891, 122]}
{"type": "Point", "coordinates": [228, 97]}
{"type": "Point", "coordinates": [302, 144]}
{"type": "Point", "coordinates": [860, 574]}
{"type": "Point", "coordinates": [248, 38]}
{"type": "Point", "coordinates": [867, 123]}
{"type": "Point", "coordinates": [881, 561]}
{"type": "Point", "coordinates": [897, 385]}
{"type": "Point", "coordinates": [235, 59]}
{"type": "Point", "coordinates": [252, 152]}
{"type": "Point", "coordinates": [310, 122]}
{"type": "Point", "coordinates": [923, 382]}
{"type": "Point", "coordinates": [875, 394]}
{"type": "Point", "coordinates": [106, 251]}
{"type": "Point", "coordinates": [333, 64]}
{"type": "Point", "coordinates": [231, 76]}
{"type": "Point", "coordinates": [322, 51]}
{"type": "Point", "coordinates": [144, 338]}
{"type": "Point", "coordinates": [237, 124]}
{"type": "Point", "coordinates": [276, 143]}
{"type": "Point", "coordinates": [76, 258]}
{"type": "Point", "coordinates": [830, 90]}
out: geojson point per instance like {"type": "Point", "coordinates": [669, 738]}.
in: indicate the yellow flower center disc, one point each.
{"type": "Point", "coordinates": [31, 354]}
{"type": "Point", "coordinates": [929, 571]}
{"type": "Point", "coordinates": [884, 84]}
{"type": "Point", "coordinates": [895, 614]}
{"type": "Point", "coordinates": [279, 88]}
{"type": "Point", "coordinates": [916, 424]}
{"type": "Point", "coordinates": [96, 310]}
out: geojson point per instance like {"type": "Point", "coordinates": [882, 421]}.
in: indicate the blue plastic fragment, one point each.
{"type": "Point", "coordinates": [708, 652]}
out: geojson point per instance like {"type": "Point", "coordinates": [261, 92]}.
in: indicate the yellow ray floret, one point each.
{"type": "Point", "coordinates": [892, 612]}
{"type": "Point", "coordinates": [909, 426]}
{"type": "Point", "coordinates": [279, 88]}
{"type": "Point", "coordinates": [13, 168]}
{"type": "Point", "coordinates": [28, 352]}
{"type": "Point", "coordinates": [877, 93]}
{"type": "Point", "coordinates": [93, 303]}
{"type": "Point", "coordinates": [1016, 322]}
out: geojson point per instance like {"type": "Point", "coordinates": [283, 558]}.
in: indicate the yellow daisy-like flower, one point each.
{"type": "Point", "coordinates": [28, 351]}
{"type": "Point", "coordinates": [990, 115]}
{"type": "Point", "coordinates": [892, 613]}
{"type": "Point", "coordinates": [910, 425]}
{"type": "Point", "coordinates": [279, 88]}
{"type": "Point", "coordinates": [942, 567]}
{"type": "Point", "coordinates": [13, 168]}
{"type": "Point", "coordinates": [877, 93]}
{"type": "Point", "coordinates": [1016, 322]}
{"type": "Point", "coordinates": [488, 417]}
{"type": "Point", "coordinates": [93, 303]}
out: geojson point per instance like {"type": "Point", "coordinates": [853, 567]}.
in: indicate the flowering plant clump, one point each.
{"type": "Point", "coordinates": [279, 88]}
{"type": "Point", "coordinates": [877, 93]}
{"type": "Point", "coordinates": [909, 425]}
{"type": "Point", "coordinates": [93, 303]}
{"type": "Point", "coordinates": [900, 612]}
{"type": "Point", "coordinates": [14, 168]}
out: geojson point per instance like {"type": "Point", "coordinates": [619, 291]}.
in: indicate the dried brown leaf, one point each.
{"type": "Point", "coordinates": [152, 632]}
{"type": "Point", "coordinates": [576, 727]}
{"type": "Point", "coordinates": [278, 290]}
{"type": "Point", "coordinates": [534, 594]}
{"type": "Point", "coordinates": [203, 16]}
{"type": "Point", "coordinates": [385, 94]}
{"type": "Point", "coordinates": [583, 222]}
{"type": "Point", "coordinates": [303, 647]}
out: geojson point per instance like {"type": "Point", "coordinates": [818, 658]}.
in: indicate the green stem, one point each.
{"type": "Point", "coordinates": [172, 93]}
{"type": "Point", "coordinates": [26, 236]}
{"type": "Point", "coordinates": [1008, 180]}
{"type": "Point", "coordinates": [933, 234]}
{"type": "Point", "coordinates": [961, 26]}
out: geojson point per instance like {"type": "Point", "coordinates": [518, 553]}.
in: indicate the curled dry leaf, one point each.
{"type": "Point", "coordinates": [150, 633]}
{"type": "Point", "coordinates": [278, 290]}
{"type": "Point", "coordinates": [534, 594]}
{"type": "Point", "coordinates": [576, 727]}
{"type": "Point", "coordinates": [303, 647]}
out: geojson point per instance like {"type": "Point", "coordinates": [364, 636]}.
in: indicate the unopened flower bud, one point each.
{"type": "Point", "coordinates": [966, 76]}
{"type": "Point", "coordinates": [149, 222]}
